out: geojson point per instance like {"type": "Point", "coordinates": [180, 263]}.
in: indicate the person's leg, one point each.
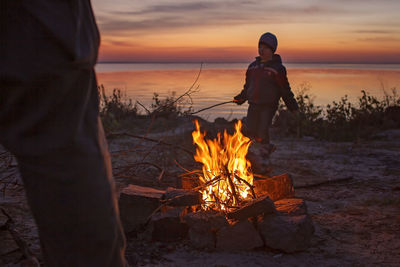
{"type": "Point", "coordinates": [253, 117]}
{"type": "Point", "coordinates": [266, 116]}
{"type": "Point", "coordinates": [69, 188]}
{"type": "Point", "coordinates": [49, 121]}
{"type": "Point", "coordinates": [72, 198]}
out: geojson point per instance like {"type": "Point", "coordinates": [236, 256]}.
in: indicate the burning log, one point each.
{"type": "Point", "coordinates": [181, 197]}
{"type": "Point", "coordinates": [136, 204]}
{"type": "Point", "coordinates": [261, 205]}
{"type": "Point", "coordinates": [291, 206]}
{"type": "Point", "coordinates": [278, 187]}
{"type": "Point", "coordinates": [189, 182]}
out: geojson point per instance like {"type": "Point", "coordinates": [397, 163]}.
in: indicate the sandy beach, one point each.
{"type": "Point", "coordinates": [356, 215]}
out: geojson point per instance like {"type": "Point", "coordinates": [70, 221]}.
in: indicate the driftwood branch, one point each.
{"type": "Point", "coordinates": [180, 166]}
{"type": "Point", "coordinates": [146, 109]}
{"type": "Point", "coordinates": [189, 173]}
{"type": "Point", "coordinates": [190, 90]}
{"type": "Point", "coordinates": [226, 205]}
{"type": "Point", "coordinates": [234, 195]}
{"type": "Point", "coordinates": [208, 183]}
{"type": "Point", "coordinates": [213, 106]}
{"type": "Point", "coordinates": [248, 184]}
{"type": "Point", "coordinates": [233, 188]}
{"type": "Point", "coordinates": [161, 175]}
{"type": "Point", "coordinates": [154, 212]}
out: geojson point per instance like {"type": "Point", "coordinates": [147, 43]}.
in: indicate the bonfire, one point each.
{"type": "Point", "coordinates": [226, 181]}
{"type": "Point", "coordinates": [217, 207]}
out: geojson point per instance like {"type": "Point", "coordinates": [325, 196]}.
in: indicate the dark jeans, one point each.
{"type": "Point", "coordinates": [259, 120]}
{"type": "Point", "coordinates": [67, 176]}
{"type": "Point", "coordinates": [49, 120]}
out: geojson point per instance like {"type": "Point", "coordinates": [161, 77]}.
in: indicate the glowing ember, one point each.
{"type": "Point", "coordinates": [227, 179]}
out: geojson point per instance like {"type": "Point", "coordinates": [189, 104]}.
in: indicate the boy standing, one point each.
{"type": "Point", "coordinates": [266, 83]}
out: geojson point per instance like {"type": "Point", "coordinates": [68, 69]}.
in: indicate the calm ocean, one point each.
{"type": "Point", "coordinates": [219, 82]}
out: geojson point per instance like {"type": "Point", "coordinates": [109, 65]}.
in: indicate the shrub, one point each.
{"type": "Point", "coordinates": [171, 106]}
{"type": "Point", "coordinates": [341, 120]}
{"type": "Point", "coordinates": [115, 108]}
{"type": "Point", "coordinates": [309, 115]}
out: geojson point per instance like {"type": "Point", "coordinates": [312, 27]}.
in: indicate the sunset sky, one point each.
{"type": "Point", "coordinates": [345, 31]}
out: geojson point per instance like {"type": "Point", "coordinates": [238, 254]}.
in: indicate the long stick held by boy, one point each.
{"type": "Point", "coordinates": [266, 82]}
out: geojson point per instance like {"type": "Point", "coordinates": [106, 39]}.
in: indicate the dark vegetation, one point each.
{"type": "Point", "coordinates": [120, 113]}
{"type": "Point", "coordinates": [339, 121]}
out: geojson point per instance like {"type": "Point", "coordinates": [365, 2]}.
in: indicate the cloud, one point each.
{"type": "Point", "coordinates": [374, 31]}
{"type": "Point", "coordinates": [179, 16]}
{"type": "Point", "coordinates": [171, 8]}
{"type": "Point", "coordinates": [379, 39]}
{"type": "Point", "coordinates": [164, 22]}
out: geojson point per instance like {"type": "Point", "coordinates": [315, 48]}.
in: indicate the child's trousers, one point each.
{"type": "Point", "coordinates": [259, 120]}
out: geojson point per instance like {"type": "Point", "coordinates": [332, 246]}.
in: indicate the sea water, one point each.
{"type": "Point", "coordinates": [219, 82]}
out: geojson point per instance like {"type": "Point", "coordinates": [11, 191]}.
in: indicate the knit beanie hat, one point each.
{"type": "Point", "coordinates": [270, 40]}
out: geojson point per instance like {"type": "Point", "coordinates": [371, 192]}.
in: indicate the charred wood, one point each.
{"type": "Point", "coordinates": [277, 187]}
{"type": "Point", "coordinates": [261, 205]}
{"type": "Point", "coordinates": [181, 197]}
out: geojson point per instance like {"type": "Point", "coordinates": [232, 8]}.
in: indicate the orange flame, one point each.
{"type": "Point", "coordinates": [227, 178]}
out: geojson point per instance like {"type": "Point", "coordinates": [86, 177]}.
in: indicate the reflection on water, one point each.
{"type": "Point", "coordinates": [220, 83]}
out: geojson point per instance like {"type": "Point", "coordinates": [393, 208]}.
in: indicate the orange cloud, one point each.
{"type": "Point", "coordinates": [190, 30]}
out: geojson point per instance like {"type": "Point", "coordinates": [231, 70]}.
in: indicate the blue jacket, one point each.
{"type": "Point", "coordinates": [266, 83]}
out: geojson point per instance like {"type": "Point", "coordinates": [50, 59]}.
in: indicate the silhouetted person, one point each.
{"type": "Point", "coordinates": [49, 120]}
{"type": "Point", "coordinates": [266, 83]}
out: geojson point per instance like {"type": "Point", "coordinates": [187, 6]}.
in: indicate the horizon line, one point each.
{"type": "Point", "coordinates": [236, 62]}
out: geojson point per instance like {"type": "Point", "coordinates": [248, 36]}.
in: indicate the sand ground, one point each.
{"type": "Point", "coordinates": [357, 221]}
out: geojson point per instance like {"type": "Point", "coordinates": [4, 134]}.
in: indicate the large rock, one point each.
{"type": "Point", "coordinates": [136, 204]}
{"type": "Point", "coordinates": [203, 227]}
{"type": "Point", "coordinates": [238, 237]}
{"type": "Point", "coordinates": [277, 187]}
{"type": "Point", "coordinates": [206, 219]}
{"type": "Point", "coordinates": [167, 226]}
{"type": "Point", "coordinates": [202, 238]}
{"type": "Point", "coordinates": [291, 206]}
{"type": "Point", "coordinates": [261, 205]}
{"type": "Point", "coordinates": [286, 233]}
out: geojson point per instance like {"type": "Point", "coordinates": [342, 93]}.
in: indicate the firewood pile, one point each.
{"type": "Point", "coordinates": [274, 218]}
